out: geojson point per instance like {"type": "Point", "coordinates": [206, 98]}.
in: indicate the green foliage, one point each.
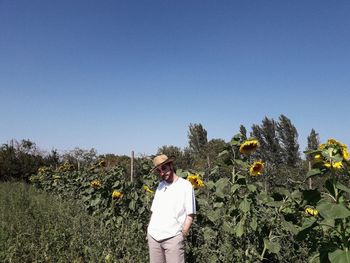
{"type": "Point", "coordinates": [213, 149]}
{"type": "Point", "coordinates": [80, 158]}
{"type": "Point", "coordinates": [53, 159]}
{"type": "Point", "coordinates": [243, 132]}
{"type": "Point", "coordinates": [280, 152]}
{"type": "Point", "coordinates": [238, 221]}
{"type": "Point", "coordinates": [332, 205]}
{"type": "Point", "coordinates": [313, 141]}
{"type": "Point", "coordinates": [288, 138]}
{"type": "Point", "coordinates": [111, 161]}
{"type": "Point", "coordinates": [36, 227]}
{"type": "Point", "coordinates": [270, 146]}
{"type": "Point", "coordinates": [246, 213]}
{"type": "Point", "coordinates": [198, 147]}
{"type": "Point", "coordinates": [19, 160]}
{"type": "Point", "coordinates": [197, 138]}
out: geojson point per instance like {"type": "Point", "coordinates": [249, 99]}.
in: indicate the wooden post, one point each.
{"type": "Point", "coordinates": [132, 167]}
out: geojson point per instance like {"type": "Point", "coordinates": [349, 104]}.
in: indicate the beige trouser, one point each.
{"type": "Point", "coordinates": [170, 250]}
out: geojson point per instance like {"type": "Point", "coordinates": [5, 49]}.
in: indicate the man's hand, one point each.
{"type": "Point", "coordinates": [187, 225]}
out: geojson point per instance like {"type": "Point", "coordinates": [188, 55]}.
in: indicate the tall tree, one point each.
{"type": "Point", "coordinates": [197, 138]}
{"type": "Point", "coordinates": [80, 157]}
{"type": "Point", "coordinates": [53, 159]}
{"type": "Point", "coordinates": [313, 141]}
{"type": "Point", "coordinates": [288, 139]}
{"type": "Point", "coordinates": [243, 131]}
{"type": "Point", "coordinates": [270, 150]}
{"type": "Point", "coordinates": [170, 150]}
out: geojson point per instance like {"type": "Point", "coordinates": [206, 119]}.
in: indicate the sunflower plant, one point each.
{"type": "Point", "coordinates": [238, 220]}
{"type": "Point", "coordinates": [331, 160]}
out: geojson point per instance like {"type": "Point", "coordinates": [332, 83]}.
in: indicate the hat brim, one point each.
{"type": "Point", "coordinates": [169, 160]}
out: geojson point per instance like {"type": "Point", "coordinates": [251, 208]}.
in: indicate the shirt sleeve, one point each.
{"type": "Point", "coordinates": [190, 200]}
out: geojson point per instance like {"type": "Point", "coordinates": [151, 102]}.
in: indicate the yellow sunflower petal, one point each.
{"type": "Point", "coordinates": [256, 168]}
{"type": "Point", "coordinates": [249, 146]}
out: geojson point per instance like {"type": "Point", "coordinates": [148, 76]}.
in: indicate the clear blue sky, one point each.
{"type": "Point", "coordinates": [123, 75]}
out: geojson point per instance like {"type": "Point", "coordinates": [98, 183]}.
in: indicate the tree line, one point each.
{"type": "Point", "coordinates": [279, 150]}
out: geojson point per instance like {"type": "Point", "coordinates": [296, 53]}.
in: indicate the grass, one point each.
{"type": "Point", "coordinates": [37, 227]}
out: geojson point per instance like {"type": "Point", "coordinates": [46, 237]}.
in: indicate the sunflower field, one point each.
{"type": "Point", "coordinates": [238, 218]}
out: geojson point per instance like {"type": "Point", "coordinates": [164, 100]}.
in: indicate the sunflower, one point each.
{"type": "Point", "coordinates": [43, 170]}
{"type": "Point", "coordinates": [249, 146]}
{"type": "Point", "coordinates": [256, 168]}
{"type": "Point", "coordinates": [337, 148]}
{"type": "Point", "coordinates": [66, 167]}
{"type": "Point", "coordinates": [343, 147]}
{"type": "Point", "coordinates": [338, 165]}
{"type": "Point", "coordinates": [95, 184]}
{"type": "Point", "coordinates": [117, 195]}
{"type": "Point", "coordinates": [335, 165]}
{"type": "Point", "coordinates": [318, 157]}
{"type": "Point", "coordinates": [333, 141]}
{"type": "Point", "coordinates": [311, 212]}
{"type": "Point", "coordinates": [327, 164]}
{"type": "Point", "coordinates": [345, 153]}
{"type": "Point", "coordinates": [147, 189]}
{"type": "Point", "coordinates": [195, 180]}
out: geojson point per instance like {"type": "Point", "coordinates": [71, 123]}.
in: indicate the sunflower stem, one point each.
{"type": "Point", "coordinates": [234, 165]}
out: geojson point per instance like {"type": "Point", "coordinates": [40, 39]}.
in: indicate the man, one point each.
{"type": "Point", "coordinates": [173, 209]}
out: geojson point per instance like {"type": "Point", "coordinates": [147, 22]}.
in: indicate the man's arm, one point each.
{"type": "Point", "coordinates": [187, 224]}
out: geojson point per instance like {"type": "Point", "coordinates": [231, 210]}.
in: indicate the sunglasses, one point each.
{"type": "Point", "coordinates": [163, 168]}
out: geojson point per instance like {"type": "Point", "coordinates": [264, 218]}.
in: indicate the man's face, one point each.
{"type": "Point", "coordinates": [165, 172]}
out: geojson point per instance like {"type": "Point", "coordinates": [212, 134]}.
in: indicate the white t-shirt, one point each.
{"type": "Point", "coordinates": [171, 204]}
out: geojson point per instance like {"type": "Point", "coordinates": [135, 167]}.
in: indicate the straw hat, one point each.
{"type": "Point", "coordinates": [160, 160]}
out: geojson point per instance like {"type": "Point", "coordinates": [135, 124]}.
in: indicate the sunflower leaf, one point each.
{"type": "Point", "coordinates": [313, 172]}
